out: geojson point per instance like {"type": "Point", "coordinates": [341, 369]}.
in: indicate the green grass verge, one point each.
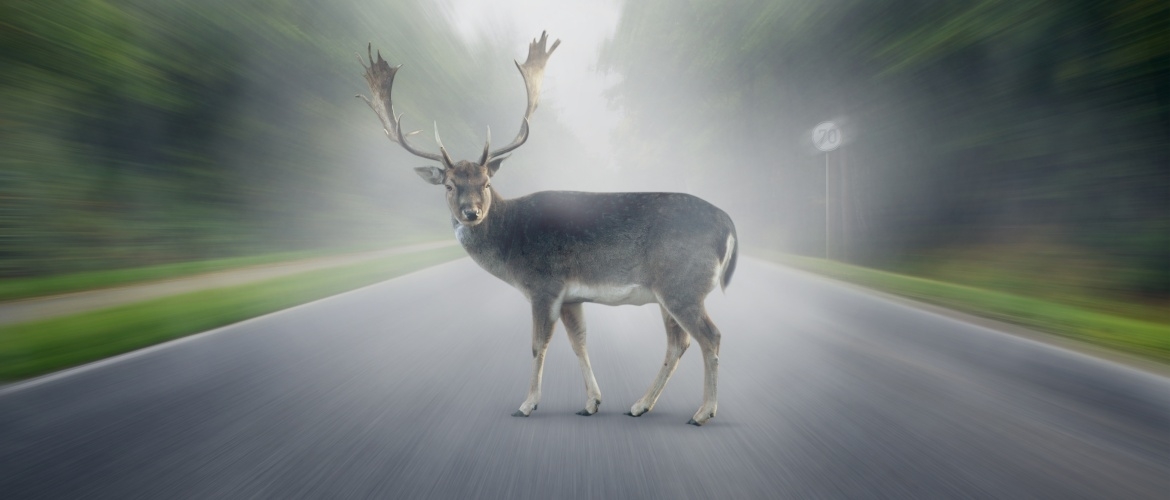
{"type": "Point", "coordinates": [1145, 338]}
{"type": "Point", "coordinates": [37, 286]}
{"type": "Point", "coordinates": [20, 288]}
{"type": "Point", "coordinates": [37, 347]}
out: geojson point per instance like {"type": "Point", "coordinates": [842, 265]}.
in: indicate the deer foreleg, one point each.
{"type": "Point", "coordinates": [575, 326]}
{"type": "Point", "coordinates": [545, 313]}
{"type": "Point", "coordinates": [677, 342]}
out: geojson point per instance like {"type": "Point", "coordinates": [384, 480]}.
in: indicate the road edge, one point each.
{"type": "Point", "coordinates": [1094, 351]}
{"type": "Point", "coordinates": [21, 385]}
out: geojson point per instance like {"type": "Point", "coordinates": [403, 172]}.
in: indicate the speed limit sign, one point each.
{"type": "Point", "coordinates": [826, 136]}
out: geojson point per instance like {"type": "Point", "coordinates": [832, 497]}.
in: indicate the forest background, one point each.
{"type": "Point", "coordinates": [1019, 145]}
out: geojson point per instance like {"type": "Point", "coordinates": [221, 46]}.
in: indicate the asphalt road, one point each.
{"type": "Point", "coordinates": [405, 390]}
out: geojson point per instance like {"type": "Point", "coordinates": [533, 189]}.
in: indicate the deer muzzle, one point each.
{"type": "Point", "coordinates": [472, 215]}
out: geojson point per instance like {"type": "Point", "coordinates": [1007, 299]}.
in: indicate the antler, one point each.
{"type": "Point", "coordinates": [380, 77]}
{"type": "Point", "coordinates": [533, 73]}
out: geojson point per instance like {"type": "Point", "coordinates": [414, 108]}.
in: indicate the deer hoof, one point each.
{"type": "Point", "coordinates": [586, 411]}
{"type": "Point", "coordinates": [519, 413]}
{"type": "Point", "coordinates": [704, 418]}
{"type": "Point", "coordinates": [591, 407]}
{"type": "Point", "coordinates": [638, 409]}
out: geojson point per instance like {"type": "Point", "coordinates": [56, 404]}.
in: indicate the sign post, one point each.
{"type": "Point", "coordinates": [826, 137]}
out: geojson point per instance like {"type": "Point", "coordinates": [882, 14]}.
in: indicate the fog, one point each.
{"type": "Point", "coordinates": [1002, 157]}
{"type": "Point", "coordinates": [977, 138]}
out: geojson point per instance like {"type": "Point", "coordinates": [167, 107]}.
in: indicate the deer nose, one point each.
{"type": "Point", "coordinates": [471, 213]}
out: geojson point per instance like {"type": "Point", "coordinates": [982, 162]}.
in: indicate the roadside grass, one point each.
{"type": "Point", "coordinates": [38, 286]}
{"type": "Point", "coordinates": [21, 288]}
{"type": "Point", "coordinates": [1149, 339]}
{"type": "Point", "coordinates": [38, 347]}
{"type": "Point", "coordinates": [1041, 267]}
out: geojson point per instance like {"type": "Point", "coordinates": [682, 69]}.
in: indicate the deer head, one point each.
{"type": "Point", "coordinates": [468, 183]}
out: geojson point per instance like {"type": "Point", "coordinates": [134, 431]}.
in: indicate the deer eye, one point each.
{"type": "Point", "coordinates": [450, 187]}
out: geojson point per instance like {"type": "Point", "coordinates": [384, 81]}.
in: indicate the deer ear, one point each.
{"type": "Point", "coordinates": [433, 175]}
{"type": "Point", "coordinates": [494, 165]}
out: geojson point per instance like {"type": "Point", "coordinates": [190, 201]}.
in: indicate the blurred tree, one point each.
{"type": "Point", "coordinates": [984, 122]}
{"type": "Point", "coordinates": [142, 131]}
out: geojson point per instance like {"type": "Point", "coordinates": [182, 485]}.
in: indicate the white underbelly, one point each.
{"type": "Point", "coordinates": [611, 295]}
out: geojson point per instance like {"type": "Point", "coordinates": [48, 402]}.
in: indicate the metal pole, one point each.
{"type": "Point", "coordinates": [849, 205]}
{"type": "Point", "coordinates": [826, 205]}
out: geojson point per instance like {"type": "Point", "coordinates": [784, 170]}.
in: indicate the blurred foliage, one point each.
{"type": "Point", "coordinates": [975, 122]}
{"type": "Point", "coordinates": [140, 132]}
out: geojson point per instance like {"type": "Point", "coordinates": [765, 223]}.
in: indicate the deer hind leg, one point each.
{"type": "Point", "coordinates": [545, 313]}
{"type": "Point", "coordinates": [677, 342]}
{"type": "Point", "coordinates": [575, 326]}
{"type": "Point", "coordinates": [694, 319]}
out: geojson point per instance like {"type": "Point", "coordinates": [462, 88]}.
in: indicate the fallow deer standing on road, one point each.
{"type": "Point", "coordinates": [565, 248]}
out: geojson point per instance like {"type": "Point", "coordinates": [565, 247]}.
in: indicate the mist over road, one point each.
{"type": "Point", "coordinates": [405, 389]}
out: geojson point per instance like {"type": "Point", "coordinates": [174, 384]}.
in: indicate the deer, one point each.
{"type": "Point", "coordinates": [561, 249]}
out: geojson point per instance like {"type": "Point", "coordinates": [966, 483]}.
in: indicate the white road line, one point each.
{"type": "Point", "coordinates": [94, 365]}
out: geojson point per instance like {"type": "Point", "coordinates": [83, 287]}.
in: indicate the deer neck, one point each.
{"type": "Point", "coordinates": [487, 241]}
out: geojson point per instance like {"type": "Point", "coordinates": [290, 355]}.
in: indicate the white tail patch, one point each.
{"type": "Point", "coordinates": [728, 251]}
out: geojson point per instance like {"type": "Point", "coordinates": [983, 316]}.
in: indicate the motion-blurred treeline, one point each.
{"type": "Point", "coordinates": [143, 131]}
{"type": "Point", "coordinates": [1022, 138]}
{"type": "Point", "coordinates": [997, 140]}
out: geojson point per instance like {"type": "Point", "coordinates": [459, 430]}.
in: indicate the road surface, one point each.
{"type": "Point", "coordinates": [405, 389]}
